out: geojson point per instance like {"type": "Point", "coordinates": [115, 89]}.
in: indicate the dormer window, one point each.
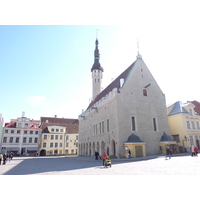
{"type": "Point", "coordinates": [145, 92]}
{"type": "Point", "coordinates": [191, 112]}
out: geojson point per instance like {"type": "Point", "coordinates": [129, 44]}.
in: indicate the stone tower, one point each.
{"type": "Point", "coordinates": [97, 72]}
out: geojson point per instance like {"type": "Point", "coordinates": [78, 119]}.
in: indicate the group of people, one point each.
{"type": "Point", "coordinates": [6, 157]}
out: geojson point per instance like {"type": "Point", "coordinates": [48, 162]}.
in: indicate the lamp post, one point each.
{"type": "Point", "coordinates": [185, 139]}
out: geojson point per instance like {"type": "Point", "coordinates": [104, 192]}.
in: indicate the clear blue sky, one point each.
{"type": "Point", "coordinates": [45, 70]}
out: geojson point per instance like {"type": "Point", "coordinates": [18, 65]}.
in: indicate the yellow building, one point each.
{"type": "Point", "coordinates": [184, 125]}
{"type": "Point", "coordinates": [59, 136]}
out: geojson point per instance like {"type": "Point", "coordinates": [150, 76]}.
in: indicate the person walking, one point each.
{"type": "Point", "coordinates": [96, 155]}
{"type": "Point", "coordinates": [193, 152]}
{"type": "Point", "coordinates": [168, 152]}
{"type": "Point", "coordinates": [129, 154]}
{"type": "Point", "coordinates": [104, 156]}
{"type": "Point", "coordinates": [4, 158]}
{"type": "Point", "coordinates": [1, 157]}
{"type": "Point", "coordinates": [196, 151]}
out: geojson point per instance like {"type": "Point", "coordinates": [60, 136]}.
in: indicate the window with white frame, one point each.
{"type": "Point", "coordinates": [4, 139]}
{"type": "Point", "coordinates": [191, 140]}
{"type": "Point", "coordinates": [193, 125]}
{"type": "Point", "coordinates": [197, 123]}
{"type": "Point", "coordinates": [108, 125]}
{"type": "Point", "coordinates": [35, 140]}
{"type": "Point", "coordinates": [52, 137]}
{"type": "Point", "coordinates": [17, 140]}
{"type": "Point", "coordinates": [102, 126]}
{"type": "Point", "coordinates": [44, 145]}
{"type": "Point", "coordinates": [11, 140]}
{"type": "Point", "coordinates": [133, 123]}
{"type": "Point", "coordinates": [24, 139]}
{"type": "Point", "coordinates": [51, 145]}
{"type": "Point", "coordinates": [188, 124]}
{"type": "Point", "coordinates": [30, 140]}
{"type": "Point", "coordinates": [154, 124]}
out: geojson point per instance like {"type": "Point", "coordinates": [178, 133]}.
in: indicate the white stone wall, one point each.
{"type": "Point", "coordinates": [119, 108]}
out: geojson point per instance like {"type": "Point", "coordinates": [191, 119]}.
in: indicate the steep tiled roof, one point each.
{"type": "Point", "coordinates": [70, 124]}
{"type": "Point", "coordinates": [11, 124]}
{"type": "Point", "coordinates": [197, 106]}
{"type": "Point", "coordinates": [177, 109]}
{"type": "Point", "coordinates": [114, 84]}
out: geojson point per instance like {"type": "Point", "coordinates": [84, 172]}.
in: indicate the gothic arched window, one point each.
{"type": "Point", "coordinates": [145, 92]}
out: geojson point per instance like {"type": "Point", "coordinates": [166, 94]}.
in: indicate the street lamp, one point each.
{"type": "Point", "coordinates": [185, 139]}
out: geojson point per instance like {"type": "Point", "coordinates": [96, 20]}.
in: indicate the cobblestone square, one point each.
{"type": "Point", "coordinates": [158, 165]}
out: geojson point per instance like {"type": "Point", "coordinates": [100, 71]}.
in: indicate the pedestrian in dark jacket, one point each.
{"type": "Point", "coordinates": [168, 152]}
{"type": "Point", "coordinates": [96, 155]}
{"type": "Point", "coordinates": [1, 157]}
{"type": "Point", "coordinates": [4, 158]}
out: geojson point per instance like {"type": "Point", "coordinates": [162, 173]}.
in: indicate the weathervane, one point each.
{"type": "Point", "coordinates": [138, 45]}
{"type": "Point", "coordinates": [97, 33]}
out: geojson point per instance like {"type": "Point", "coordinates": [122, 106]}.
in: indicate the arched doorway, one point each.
{"type": "Point", "coordinates": [43, 152]}
{"type": "Point", "coordinates": [113, 148]}
{"type": "Point", "coordinates": [98, 147]}
{"type": "Point", "coordinates": [103, 147]}
{"type": "Point", "coordinates": [90, 149]}
{"type": "Point", "coordinates": [93, 146]}
{"type": "Point", "coordinates": [108, 151]}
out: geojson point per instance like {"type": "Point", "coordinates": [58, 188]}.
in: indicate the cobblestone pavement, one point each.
{"type": "Point", "coordinates": [150, 165]}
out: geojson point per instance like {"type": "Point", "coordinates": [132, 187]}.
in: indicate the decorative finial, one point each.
{"type": "Point", "coordinates": [138, 45]}
{"type": "Point", "coordinates": [97, 34]}
{"type": "Point", "coordinates": [138, 56]}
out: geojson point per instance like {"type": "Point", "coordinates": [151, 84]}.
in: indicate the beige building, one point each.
{"type": "Point", "coordinates": [132, 104]}
{"type": "Point", "coordinates": [59, 136]}
{"type": "Point", "coordinates": [184, 124]}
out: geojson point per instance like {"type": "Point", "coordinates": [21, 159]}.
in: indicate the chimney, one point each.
{"type": "Point", "coordinates": [23, 114]}
{"type": "Point", "coordinates": [55, 116]}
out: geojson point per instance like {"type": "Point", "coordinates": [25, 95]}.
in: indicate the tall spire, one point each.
{"type": "Point", "coordinates": [97, 71]}
{"type": "Point", "coordinates": [96, 64]}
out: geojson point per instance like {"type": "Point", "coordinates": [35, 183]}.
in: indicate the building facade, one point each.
{"type": "Point", "coordinates": [132, 104]}
{"type": "Point", "coordinates": [59, 136]}
{"type": "Point", "coordinates": [184, 125]}
{"type": "Point", "coordinates": [1, 129]}
{"type": "Point", "coordinates": [21, 136]}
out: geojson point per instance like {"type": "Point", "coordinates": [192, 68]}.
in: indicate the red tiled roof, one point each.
{"type": "Point", "coordinates": [71, 125]}
{"type": "Point", "coordinates": [11, 124]}
{"type": "Point", "coordinates": [197, 106]}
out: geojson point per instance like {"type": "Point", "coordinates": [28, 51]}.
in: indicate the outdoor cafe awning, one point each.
{"type": "Point", "coordinates": [12, 148]}
{"type": "Point", "coordinates": [32, 148]}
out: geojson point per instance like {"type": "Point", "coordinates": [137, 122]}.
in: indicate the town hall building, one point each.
{"type": "Point", "coordinates": [129, 114]}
